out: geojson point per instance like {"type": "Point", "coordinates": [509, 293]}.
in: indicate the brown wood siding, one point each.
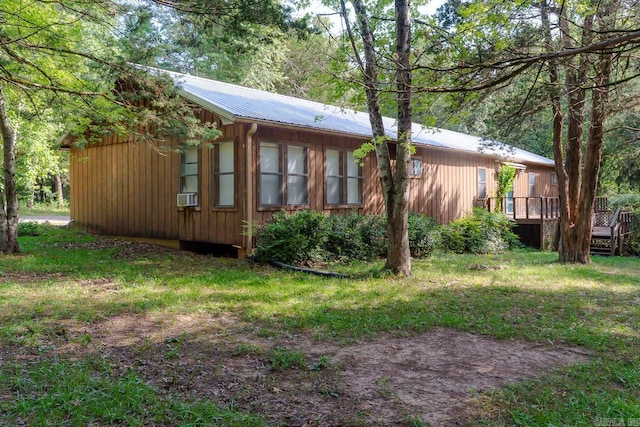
{"type": "Point", "coordinates": [207, 223]}
{"type": "Point", "coordinates": [543, 182]}
{"type": "Point", "coordinates": [317, 143]}
{"type": "Point", "coordinates": [116, 192]}
{"type": "Point", "coordinates": [449, 183]}
{"type": "Point", "coordinates": [130, 189]}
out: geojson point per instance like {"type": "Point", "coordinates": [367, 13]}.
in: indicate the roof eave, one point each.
{"type": "Point", "coordinates": [226, 117]}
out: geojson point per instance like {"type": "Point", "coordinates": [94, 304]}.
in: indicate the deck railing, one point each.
{"type": "Point", "coordinates": [527, 207]}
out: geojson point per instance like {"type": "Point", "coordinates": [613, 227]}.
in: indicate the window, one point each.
{"type": "Point", "coordinates": [223, 161]}
{"type": "Point", "coordinates": [189, 170]}
{"type": "Point", "coordinates": [482, 183]}
{"type": "Point", "coordinates": [297, 176]}
{"type": "Point", "coordinates": [532, 184]}
{"type": "Point", "coordinates": [279, 183]}
{"type": "Point", "coordinates": [554, 178]}
{"type": "Point", "coordinates": [508, 206]}
{"type": "Point", "coordinates": [343, 178]}
{"type": "Point", "coordinates": [416, 167]}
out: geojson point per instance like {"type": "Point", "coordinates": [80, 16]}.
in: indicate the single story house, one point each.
{"type": "Point", "coordinates": [277, 152]}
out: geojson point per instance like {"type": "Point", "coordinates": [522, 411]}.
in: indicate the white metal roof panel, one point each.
{"type": "Point", "coordinates": [234, 102]}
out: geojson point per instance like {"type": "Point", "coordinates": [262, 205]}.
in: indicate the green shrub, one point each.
{"type": "Point", "coordinates": [424, 235]}
{"type": "Point", "coordinates": [355, 237]}
{"type": "Point", "coordinates": [292, 238]}
{"type": "Point", "coordinates": [305, 237]}
{"type": "Point", "coordinates": [373, 229]}
{"type": "Point", "coordinates": [28, 228]}
{"type": "Point", "coordinates": [479, 233]}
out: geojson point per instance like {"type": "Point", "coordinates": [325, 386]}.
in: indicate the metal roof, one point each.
{"type": "Point", "coordinates": [233, 103]}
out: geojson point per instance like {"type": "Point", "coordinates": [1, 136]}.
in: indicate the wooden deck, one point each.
{"type": "Point", "coordinates": [528, 210]}
{"type": "Point", "coordinates": [537, 216]}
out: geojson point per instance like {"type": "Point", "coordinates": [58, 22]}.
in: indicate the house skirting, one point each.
{"type": "Point", "coordinates": [541, 234]}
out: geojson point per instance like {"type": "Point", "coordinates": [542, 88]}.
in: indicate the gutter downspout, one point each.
{"type": "Point", "coordinates": [249, 187]}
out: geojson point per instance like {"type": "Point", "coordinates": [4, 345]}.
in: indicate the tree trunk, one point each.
{"type": "Point", "coordinates": [59, 192]}
{"type": "Point", "coordinates": [9, 213]}
{"type": "Point", "coordinates": [399, 254]}
{"type": "Point", "coordinates": [579, 178]}
{"type": "Point", "coordinates": [395, 186]}
{"type": "Point", "coordinates": [32, 200]}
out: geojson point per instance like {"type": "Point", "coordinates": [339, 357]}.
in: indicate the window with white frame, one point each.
{"type": "Point", "coordinates": [554, 178]}
{"type": "Point", "coordinates": [532, 184]}
{"type": "Point", "coordinates": [189, 170]}
{"type": "Point", "coordinates": [482, 183]}
{"type": "Point", "coordinates": [297, 176]}
{"type": "Point", "coordinates": [343, 178]}
{"type": "Point", "coordinates": [224, 182]}
{"type": "Point", "coordinates": [284, 175]}
{"type": "Point", "coordinates": [416, 167]}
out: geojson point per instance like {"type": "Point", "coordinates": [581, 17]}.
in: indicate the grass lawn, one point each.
{"type": "Point", "coordinates": [43, 210]}
{"type": "Point", "coordinates": [66, 286]}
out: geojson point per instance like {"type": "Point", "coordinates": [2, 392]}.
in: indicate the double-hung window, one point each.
{"type": "Point", "coordinates": [482, 183]}
{"type": "Point", "coordinates": [284, 175]}
{"type": "Point", "coordinates": [532, 184]}
{"type": "Point", "coordinates": [343, 185]}
{"type": "Point", "coordinates": [223, 182]}
{"type": "Point", "coordinates": [189, 170]}
{"type": "Point", "coordinates": [416, 167]}
{"type": "Point", "coordinates": [297, 176]}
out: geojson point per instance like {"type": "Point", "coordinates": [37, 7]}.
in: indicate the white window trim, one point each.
{"type": "Point", "coordinates": [283, 174]}
{"type": "Point", "coordinates": [345, 178]}
{"type": "Point", "coordinates": [216, 174]}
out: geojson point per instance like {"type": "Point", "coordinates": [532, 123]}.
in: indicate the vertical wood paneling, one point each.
{"type": "Point", "coordinates": [157, 199]}
{"type": "Point", "coordinates": [151, 185]}
{"type": "Point", "coordinates": [131, 211]}
{"type": "Point", "coordinates": [121, 176]}
{"type": "Point", "coordinates": [123, 189]}
{"type": "Point", "coordinates": [206, 215]}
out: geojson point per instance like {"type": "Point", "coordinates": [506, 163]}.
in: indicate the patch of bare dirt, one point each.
{"type": "Point", "coordinates": [390, 380]}
{"type": "Point", "coordinates": [26, 278]}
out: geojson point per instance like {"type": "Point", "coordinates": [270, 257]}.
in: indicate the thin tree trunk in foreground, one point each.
{"type": "Point", "coordinates": [399, 255]}
{"type": "Point", "coordinates": [9, 212]}
{"type": "Point", "coordinates": [59, 191]}
{"type": "Point", "coordinates": [395, 186]}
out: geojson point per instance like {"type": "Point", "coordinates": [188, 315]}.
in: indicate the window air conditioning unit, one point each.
{"type": "Point", "coordinates": [187, 199]}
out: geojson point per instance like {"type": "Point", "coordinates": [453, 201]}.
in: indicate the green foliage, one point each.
{"type": "Point", "coordinates": [629, 201]}
{"type": "Point", "coordinates": [481, 232]}
{"type": "Point", "coordinates": [356, 237]}
{"type": "Point", "coordinates": [620, 170]}
{"type": "Point", "coordinates": [424, 235]}
{"type": "Point", "coordinates": [28, 228]}
{"type": "Point", "coordinates": [506, 175]}
{"type": "Point", "coordinates": [307, 236]}
{"type": "Point", "coordinates": [283, 358]}
{"type": "Point", "coordinates": [292, 238]}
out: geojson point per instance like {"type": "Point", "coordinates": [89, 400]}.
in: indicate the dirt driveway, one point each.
{"type": "Point", "coordinates": [51, 219]}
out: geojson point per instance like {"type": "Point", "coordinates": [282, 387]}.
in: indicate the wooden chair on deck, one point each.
{"type": "Point", "coordinates": [607, 233]}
